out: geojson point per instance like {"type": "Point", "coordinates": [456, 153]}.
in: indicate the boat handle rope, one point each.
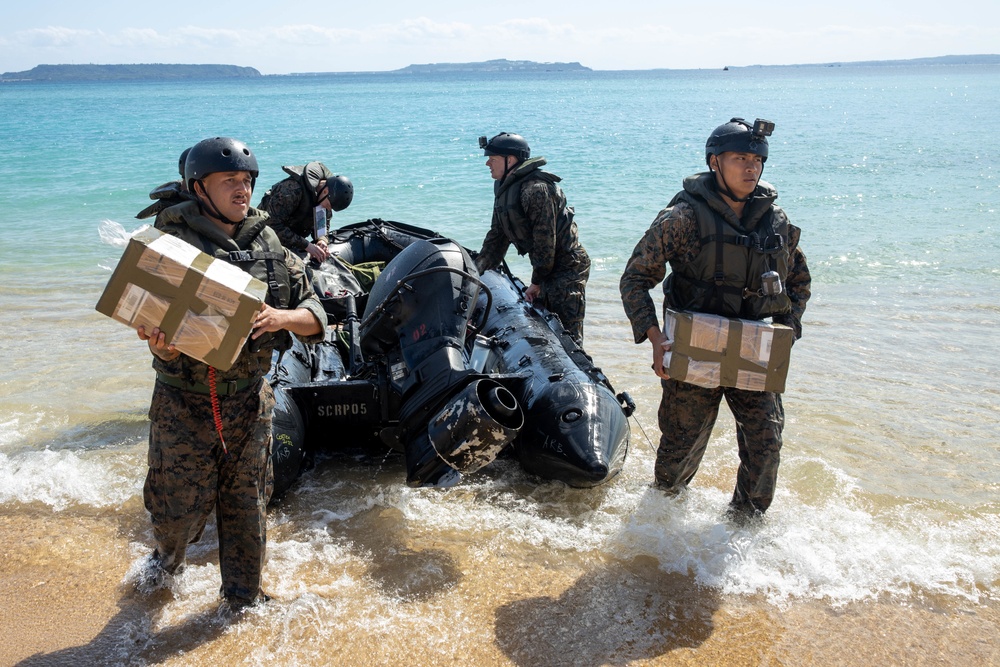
{"type": "Point", "coordinates": [646, 437]}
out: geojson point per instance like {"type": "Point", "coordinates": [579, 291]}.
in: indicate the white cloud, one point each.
{"type": "Point", "coordinates": [54, 36]}
{"type": "Point", "coordinates": [392, 44]}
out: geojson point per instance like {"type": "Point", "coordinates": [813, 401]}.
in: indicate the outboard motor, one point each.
{"type": "Point", "coordinates": [451, 417]}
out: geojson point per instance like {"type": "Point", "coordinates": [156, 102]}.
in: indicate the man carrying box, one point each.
{"type": "Point", "coordinates": [210, 431]}
{"type": "Point", "coordinates": [732, 253]}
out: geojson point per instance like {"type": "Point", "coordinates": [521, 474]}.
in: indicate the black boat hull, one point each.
{"type": "Point", "coordinates": [446, 366]}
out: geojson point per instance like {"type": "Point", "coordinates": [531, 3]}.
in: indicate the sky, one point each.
{"type": "Point", "coordinates": [278, 37]}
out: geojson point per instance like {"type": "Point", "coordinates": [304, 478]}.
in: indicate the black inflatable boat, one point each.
{"type": "Point", "coordinates": [426, 356]}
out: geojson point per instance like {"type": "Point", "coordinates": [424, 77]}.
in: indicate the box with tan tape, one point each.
{"type": "Point", "coordinates": [205, 306]}
{"type": "Point", "coordinates": [713, 351]}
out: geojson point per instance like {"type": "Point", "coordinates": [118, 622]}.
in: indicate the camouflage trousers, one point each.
{"type": "Point", "coordinates": [564, 293]}
{"type": "Point", "coordinates": [687, 415]}
{"type": "Point", "coordinates": [190, 475]}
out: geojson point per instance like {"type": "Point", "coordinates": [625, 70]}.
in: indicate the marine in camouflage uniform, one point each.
{"type": "Point", "coordinates": [291, 205]}
{"type": "Point", "coordinates": [530, 212]}
{"type": "Point", "coordinates": [194, 468]}
{"type": "Point", "coordinates": [687, 413]}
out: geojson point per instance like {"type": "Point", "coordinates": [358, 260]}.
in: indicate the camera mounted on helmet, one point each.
{"type": "Point", "coordinates": [762, 128]}
{"type": "Point", "coordinates": [506, 143]}
{"type": "Point", "coordinates": [739, 136]}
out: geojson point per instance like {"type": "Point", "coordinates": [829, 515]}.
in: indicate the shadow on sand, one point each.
{"type": "Point", "coordinates": [130, 636]}
{"type": "Point", "coordinates": [612, 616]}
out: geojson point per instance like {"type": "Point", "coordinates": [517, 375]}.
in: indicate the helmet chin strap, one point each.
{"type": "Point", "coordinates": [506, 168]}
{"type": "Point", "coordinates": [214, 210]}
{"type": "Point", "coordinates": [725, 189]}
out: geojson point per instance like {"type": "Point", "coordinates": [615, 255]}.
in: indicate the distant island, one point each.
{"type": "Point", "coordinates": [162, 72]}
{"type": "Point", "coordinates": [500, 65]}
{"type": "Point", "coordinates": [982, 59]}
{"type": "Point", "coordinates": [65, 73]}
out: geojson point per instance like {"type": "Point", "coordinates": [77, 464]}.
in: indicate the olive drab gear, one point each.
{"type": "Point", "coordinates": [339, 189]}
{"type": "Point", "coordinates": [304, 210]}
{"type": "Point", "coordinates": [209, 156]}
{"type": "Point", "coordinates": [313, 177]}
{"type": "Point", "coordinates": [165, 196]}
{"type": "Point", "coordinates": [725, 277]}
{"type": "Point", "coordinates": [168, 194]}
{"type": "Point", "coordinates": [507, 204]}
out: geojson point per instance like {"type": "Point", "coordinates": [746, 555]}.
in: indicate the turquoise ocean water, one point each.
{"type": "Point", "coordinates": [888, 490]}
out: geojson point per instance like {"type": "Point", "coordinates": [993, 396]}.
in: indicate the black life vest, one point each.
{"type": "Point", "coordinates": [507, 204]}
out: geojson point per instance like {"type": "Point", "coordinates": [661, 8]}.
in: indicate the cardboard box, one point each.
{"type": "Point", "coordinates": [713, 351]}
{"type": "Point", "coordinates": [205, 306]}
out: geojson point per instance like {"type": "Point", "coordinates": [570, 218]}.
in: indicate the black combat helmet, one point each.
{"type": "Point", "coordinates": [739, 136]}
{"type": "Point", "coordinates": [182, 161]}
{"type": "Point", "coordinates": [209, 156]}
{"type": "Point", "coordinates": [340, 190]}
{"type": "Point", "coordinates": [506, 143]}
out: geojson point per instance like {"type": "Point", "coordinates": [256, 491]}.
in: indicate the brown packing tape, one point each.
{"type": "Point", "coordinates": [185, 298]}
{"type": "Point", "coordinates": [730, 371]}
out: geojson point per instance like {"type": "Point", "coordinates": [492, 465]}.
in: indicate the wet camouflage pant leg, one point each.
{"type": "Point", "coordinates": [245, 484]}
{"type": "Point", "coordinates": [760, 418]}
{"type": "Point", "coordinates": [189, 476]}
{"type": "Point", "coordinates": [564, 293]}
{"type": "Point", "coordinates": [179, 492]}
{"type": "Point", "coordinates": [686, 416]}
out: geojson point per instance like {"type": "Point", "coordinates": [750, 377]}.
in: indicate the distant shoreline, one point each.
{"type": "Point", "coordinates": [180, 72]}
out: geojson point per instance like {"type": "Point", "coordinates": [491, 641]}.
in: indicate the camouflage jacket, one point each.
{"type": "Point", "coordinates": [674, 238]}
{"type": "Point", "coordinates": [530, 211]}
{"type": "Point", "coordinates": [291, 216]}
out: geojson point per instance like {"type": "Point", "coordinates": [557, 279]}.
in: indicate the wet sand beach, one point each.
{"type": "Point", "coordinates": [64, 601]}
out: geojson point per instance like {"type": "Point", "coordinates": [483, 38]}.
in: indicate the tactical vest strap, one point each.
{"type": "Point", "coordinates": [725, 276]}
{"type": "Point", "coordinates": [269, 258]}
{"type": "Point", "coordinates": [250, 255]}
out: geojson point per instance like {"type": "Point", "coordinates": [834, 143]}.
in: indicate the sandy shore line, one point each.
{"type": "Point", "coordinates": [63, 601]}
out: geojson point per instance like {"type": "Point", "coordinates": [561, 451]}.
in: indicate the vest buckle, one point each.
{"type": "Point", "coordinates": [240, 256]}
